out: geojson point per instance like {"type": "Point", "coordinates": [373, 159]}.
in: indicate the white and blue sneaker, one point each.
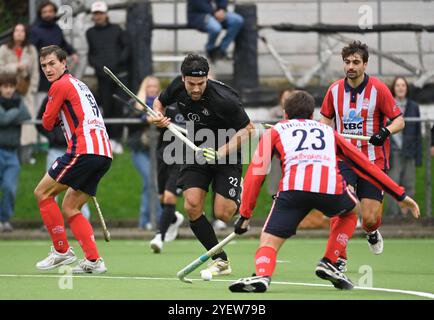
{"type": "Point", "coordinates": [56, 259]}
{"type": "Point", "coordinates": [87, 266]}
{"type": "Point", "coordinates": [251, 284]}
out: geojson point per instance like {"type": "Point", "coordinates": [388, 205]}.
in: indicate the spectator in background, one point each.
{"type": "Point", "coordinates": [19, 57]}
{"type": "Point", "coordinates": [13, 112]}
{"type": "Point", "coordinates": [406, 145]}
{"type": "Point", "coordinates": [56, 148]}
{"type": "Point", "coordinates": [45, 32]}
{"type": "Point", "coordinates": [108, 46]}
{"type": "Point", "coordinates": [211, 16]}
{"type": "Point", "coordinates": [138, 141]}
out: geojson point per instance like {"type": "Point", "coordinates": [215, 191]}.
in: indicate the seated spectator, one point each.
{"type": "Point", "coordinates": [206, 17]}
{"type": "Point", "coordinates": [405, 146]}
{"type": "Point", "coordinates": [20, 57]}
{"type": "Point", "coordinates": [13, 112]}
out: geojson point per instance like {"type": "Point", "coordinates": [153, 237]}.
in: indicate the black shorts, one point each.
{"type": "Point", "coordinates": [167, 177]}
{"type": "Point", "coordinates": [290, 207]}
{"type": "Point", "coordinates": [80, 171]}
{"type": "Point", "coordinates": [225, 178]}
{"type": "Point", "coordinates": [364, 189]}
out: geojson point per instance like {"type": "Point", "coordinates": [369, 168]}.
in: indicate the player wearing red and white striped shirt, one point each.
{"type": "Point", "coordinates": [361, 105]}
{"type": "Point", "coordinates": [88, 157]}
{"type": "Point", "coordinates": [309, 153]}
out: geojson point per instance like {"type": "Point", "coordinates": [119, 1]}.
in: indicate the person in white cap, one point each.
{"type": "Point", "coordinates": [108, 46]}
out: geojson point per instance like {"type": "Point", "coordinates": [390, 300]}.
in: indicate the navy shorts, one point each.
{"type": "Point", "coordinates": [364, 189]}
{"type": "Point", "coordinates": [80, 171]}
{"type": "Point", "coordinates": [168, 177]}
{"type": "Point", "coordinates": [225, 179]}
{"type": "Point", "coordinates": [290, 207]}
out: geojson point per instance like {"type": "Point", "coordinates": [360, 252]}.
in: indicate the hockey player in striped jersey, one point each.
{"type": "Point", "coordinates": [360, 105]}
{"type": "Point", "coordinates": [78, 172]}
{"type": "Point", "coordinates": [309, 152]}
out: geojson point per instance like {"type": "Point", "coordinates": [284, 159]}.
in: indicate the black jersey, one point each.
{"type": "Point", "coordinates": [172, 112]}
{"type": "Point", "coordinates": [219, 108]}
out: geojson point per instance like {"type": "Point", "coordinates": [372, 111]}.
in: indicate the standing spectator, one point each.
{"type": "Point", "coordinates": [211, 17]}
{"type": "Point", "coordinates": [138, 141]}
{"type": "Point", "coordinates": [13, 112]}
{"type": "Point", "coordinates": [45, 32]}
{"type": "Point", "coordinates": [108, 46]}
{"type": "Point", "coordinates": [406, 145]}
{"type": "Point", "coordinates": [56, 148]}
{"type": "Point", "coordinates": [19, 57]}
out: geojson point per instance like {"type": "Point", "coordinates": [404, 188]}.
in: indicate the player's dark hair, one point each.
{"type": "Point", "coordinates": [8, 79]}
{"type": "Point", "coordinates": [195, 66]}
{"type": "Point", "coordinates": [392, 87]}
{"type": "Point", "coordinates": [356, 47]}
{"type": "Point", "coordinates": [299, 105]}
{"type": "Point", "coordinates": [46, 4]}
{"type": "Point", "coordinates": [58, 51]}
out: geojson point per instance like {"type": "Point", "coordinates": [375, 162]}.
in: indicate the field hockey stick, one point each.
{"type": "Point", "coordinates": [203, 258]}
{"type": "Point", "coordinates": [101, 218]}
{"type": "Point", "coordinates": [149, 110]}
{"type": "Point", "coordinates": [129, 104]}
{"type": "Point", "coordinates": [345, 135]}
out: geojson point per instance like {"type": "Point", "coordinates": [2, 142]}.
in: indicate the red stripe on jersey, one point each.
{"type": "Point", "coordinates": [365, 107]}
{"type": "Point", "coordinates": [94, 141]}
{"type": "Point", "coordinates": [338, 117]}
{"type": "Point", "coordinates": [307, 183]}
{"type": "Point", "coordinates": [103, 139]}
{"type": "Point", "coordinates": [324, 179]}
{"type": "Point", "coordinates": [292, 173]}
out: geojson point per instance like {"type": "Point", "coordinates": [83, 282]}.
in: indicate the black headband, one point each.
{"type": "Point", "coordinates": [195, 73]}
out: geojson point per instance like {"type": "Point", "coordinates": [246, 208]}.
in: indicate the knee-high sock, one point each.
{"type": "Point", "coordinates": [341, 230]}
{"type": "Point", "coordinates": [374, 226]}
{"type": "Point", "coordinates": [53, 220]}
{"type": "Point", "coordinates": [167, 218]}
{"type": "Point", "coordinates": [83, 232]}
{"type": "Point", "coordinates": [265, 261]}
{"type": "Point", "coordinates": [204, 232]}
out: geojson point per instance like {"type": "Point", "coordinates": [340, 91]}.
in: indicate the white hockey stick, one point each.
{"type": "Point", "coordinates": [146, 108]}
{"type": "Point", "coordinates": [203, 258]}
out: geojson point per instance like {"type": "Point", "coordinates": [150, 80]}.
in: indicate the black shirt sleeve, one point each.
{"type": "Point", "coordinates": [168, 96]}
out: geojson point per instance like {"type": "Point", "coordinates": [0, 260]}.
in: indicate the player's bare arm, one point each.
{"type": "Point", "coordinates": [237, 140]}
{"type": "Point", "coordinates": [396, 125]}
{"type": "Point", "coordinates": [327, 121]}
{"type": "Point", "coordinates": [159, 120]}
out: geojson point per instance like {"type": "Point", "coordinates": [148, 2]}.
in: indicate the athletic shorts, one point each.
{"type": "Point", "coordinates": [80, 171]}
{"type": "Point", "coordinates": [364, 189]}
{"type": "Point", "coordinates": [167, 177]}
{"type": "Point", "coordinates": [290, 207]}
{"type": "Point", "coordinates": [225, 179]}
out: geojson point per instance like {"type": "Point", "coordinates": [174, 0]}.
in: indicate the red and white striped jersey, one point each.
{"type": "Point", "coordinates": [309, 152]}
{"type": "Point", "coordinates": [71, 104]}
{"type": "Point", "coordinates": [362, 111]}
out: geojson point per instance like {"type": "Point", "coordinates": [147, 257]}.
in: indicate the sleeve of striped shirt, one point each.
{"type": "Point", "coordinates": [367, 170]}
{"type": "Point", "coordinates": [327, 108]}
{"type": "Point", "coordinates": [56, 97]}
{"type": "Point", "coordinates": [257, 171]}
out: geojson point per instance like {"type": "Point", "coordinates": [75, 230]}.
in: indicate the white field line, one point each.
{"type": "Point", "coordinates": [408, 292]}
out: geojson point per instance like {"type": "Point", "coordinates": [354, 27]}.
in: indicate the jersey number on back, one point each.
{"type": "Point", "coordinates": [93, 104]}
{"type": "Point", "coordinates": [318, 145]}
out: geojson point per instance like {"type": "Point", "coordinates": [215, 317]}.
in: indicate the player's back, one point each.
{"type": "Point", "coordinates": [307, 151]}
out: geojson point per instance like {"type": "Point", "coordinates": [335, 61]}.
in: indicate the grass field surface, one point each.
{"type": "Point", "coordinates": [404, 271]}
